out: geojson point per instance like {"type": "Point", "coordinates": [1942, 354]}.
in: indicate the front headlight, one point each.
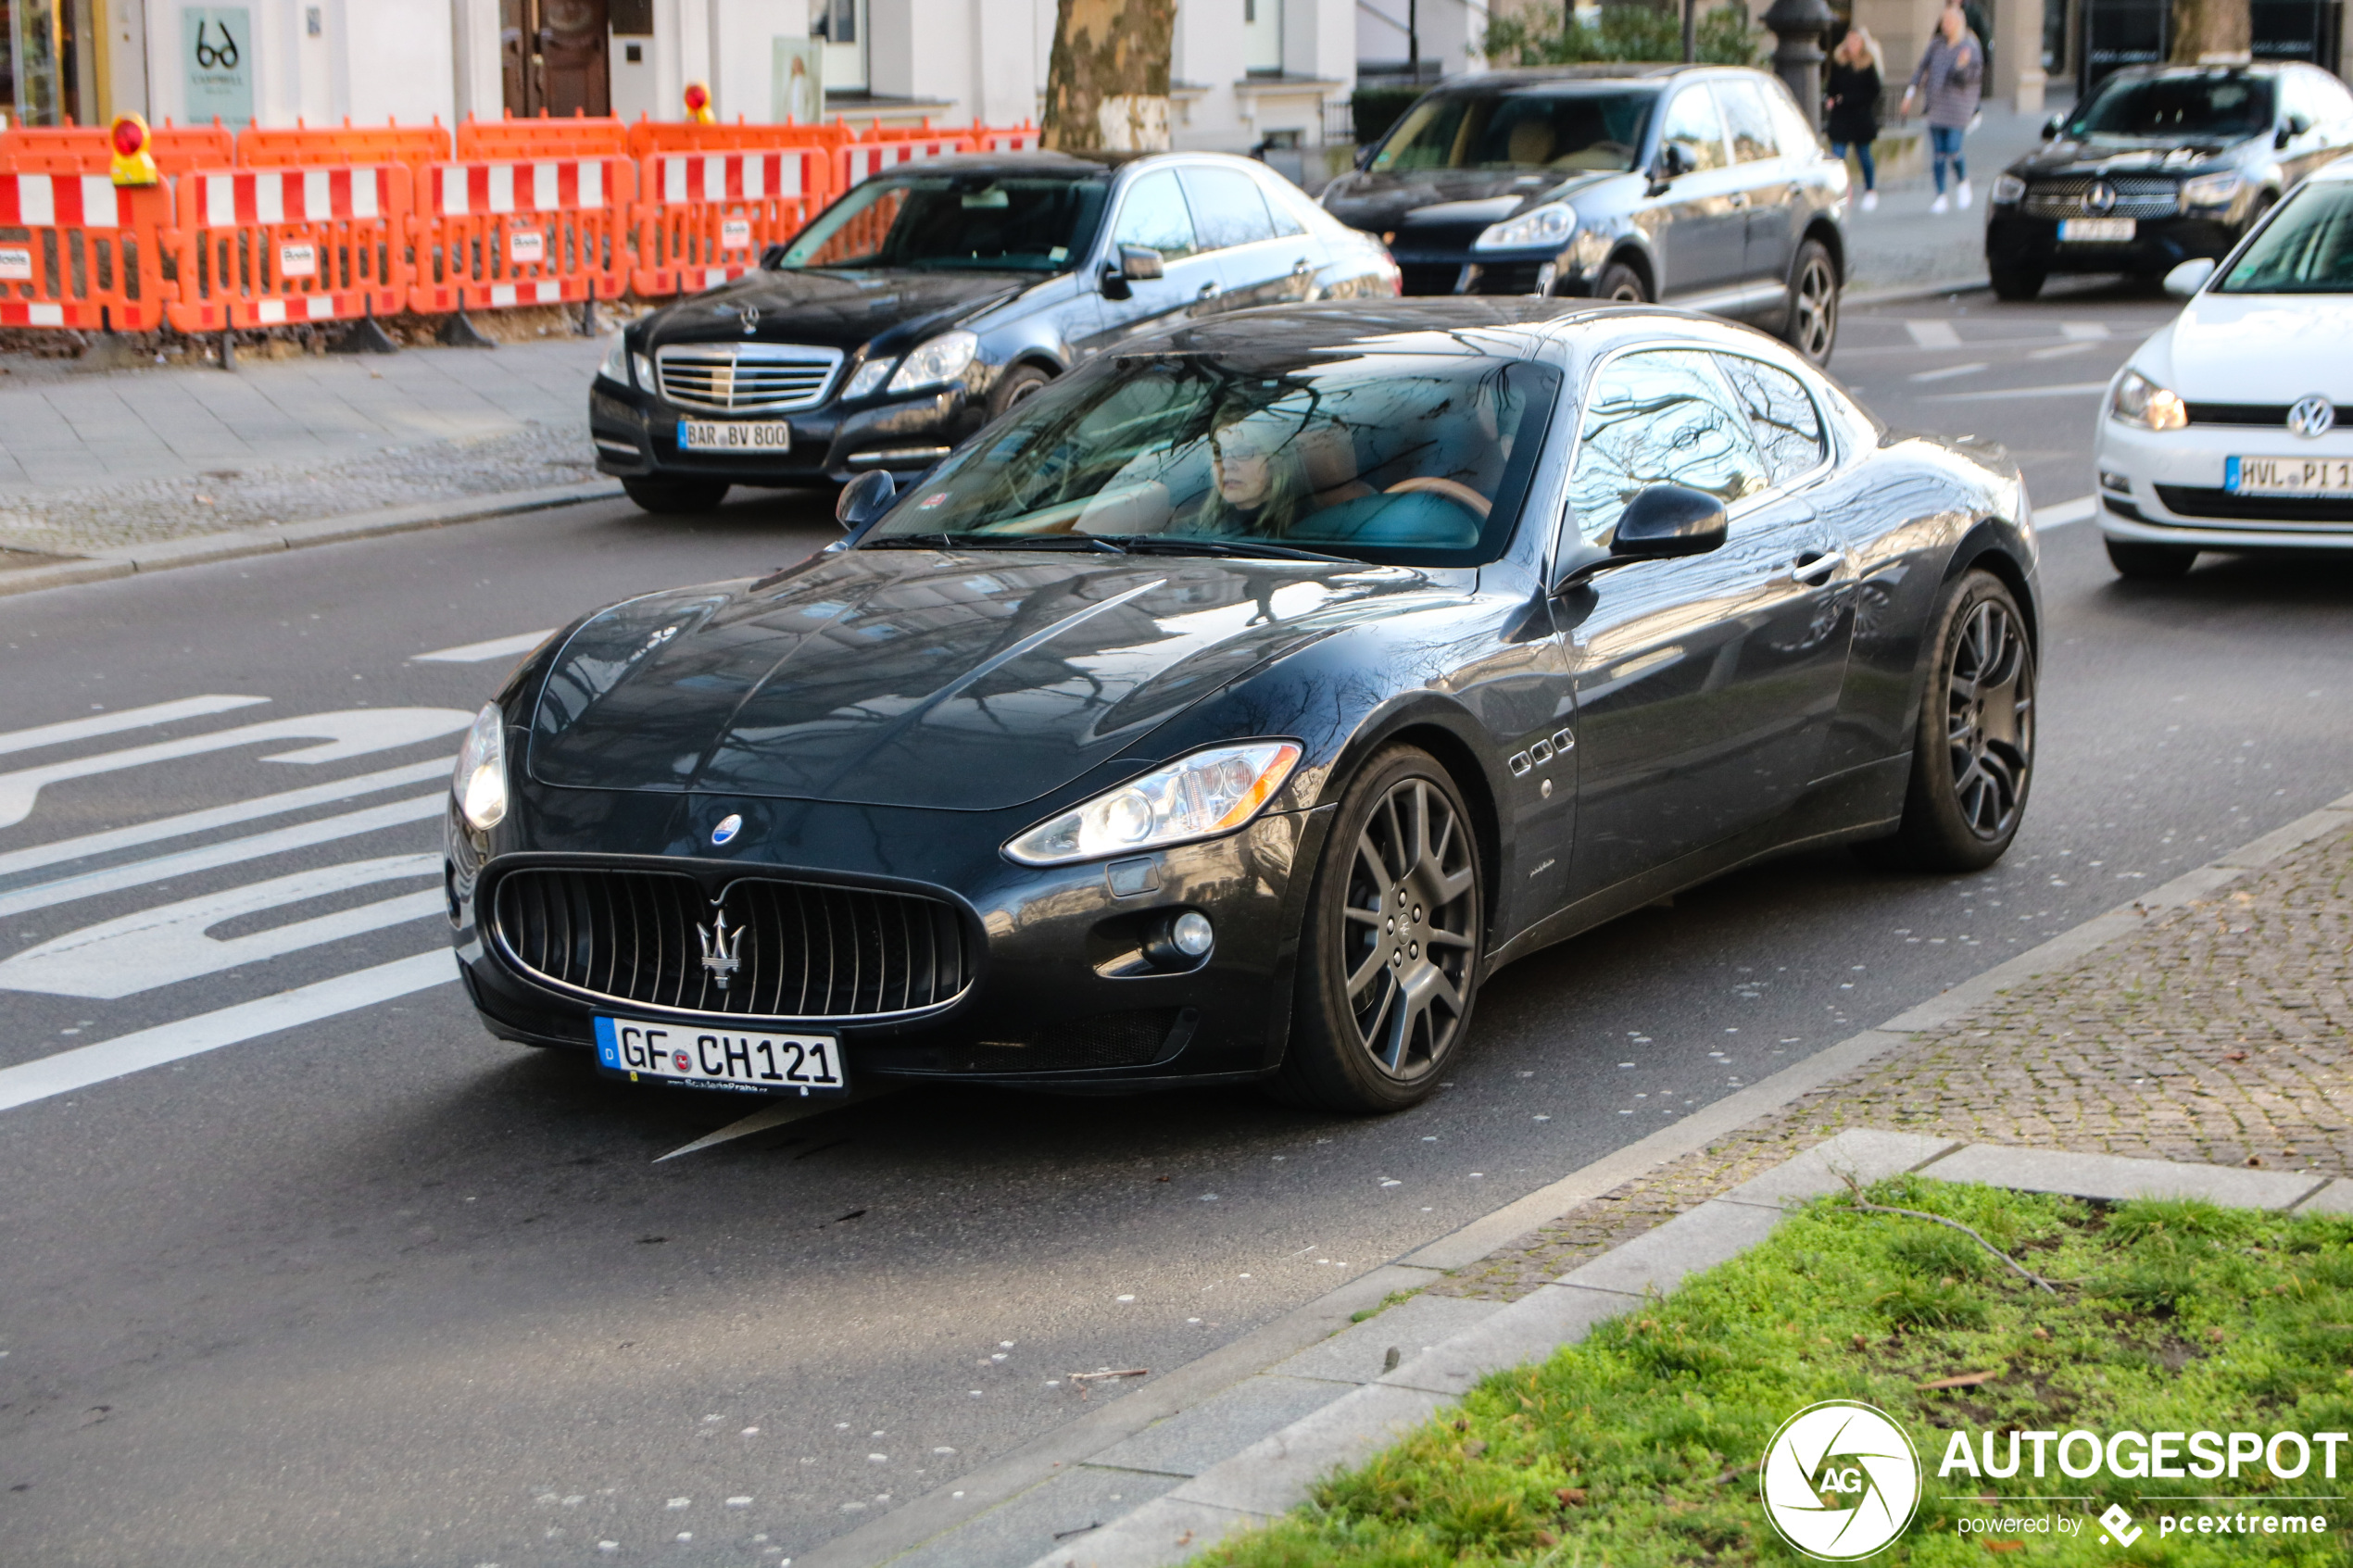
{"type": "Point", "coordinates": [942, 359]}
{"type": "Point", "coordinates": [1549, 225]}
{"type": "Point", "coordinates": [1197, 797]}
{"type": "Point", "coordinates": [2008, 190]}
{"type": "Point", "coordinates": [616, 365]}
{"type": "Point", "coordinates": [480, 781]}
{"type": "Point", "coordinates": [645, 373]}
{"type": "Point", "coordinates": [2140, 401]}
{"type": "Point", "coordinates": [2210, 189]}
{"type": "Point", "coordinates": [869, 377]}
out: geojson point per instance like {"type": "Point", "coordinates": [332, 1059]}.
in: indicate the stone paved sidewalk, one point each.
{"type": "Point", "coordinates": [2218, 1034]}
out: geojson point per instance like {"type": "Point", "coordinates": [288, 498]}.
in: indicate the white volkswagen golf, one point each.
{"type": "Point", "coordinates": [2232, 429]}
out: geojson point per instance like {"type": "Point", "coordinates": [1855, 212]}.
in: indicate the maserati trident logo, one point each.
{"type": "Point", "coordinates": [722, 951]}
{"type": "Point", "coordinates": [2311, 416]}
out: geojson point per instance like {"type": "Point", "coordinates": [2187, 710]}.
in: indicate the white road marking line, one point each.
{"type": "Point", "coordinates": [2072, 389]}
{"type": "Point", "coordinates": [482, 653]}
{"type": "Point", "coordinates": [95, 1063]}
{"type": "Point", "coordinates": [2065, 512]}
{"type": "Point", "coordinates": [167, 944]}
{"type": "Point", "coordinates": [353, 732]}
{"type": "Point", "coordinates": [1933, 334]}
{"type": "Point", "coordinates": [163, 867]}
{"type": "Point", "coordinates": [777, 1116]}
{"type": "Point", "coordinates": [2058, 351]}
{"type": "Point", "coordinates": [2083, 332]}
{"type": "Point", "coordinates": [35, 855]}
{"type": "Point", "coordinates": [1948, 372]}
{"type": "Point", "coordinates": [129, 719]}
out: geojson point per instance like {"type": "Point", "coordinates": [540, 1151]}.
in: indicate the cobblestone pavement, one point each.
{"type": "Point", "coordinates": [2218, 1034]}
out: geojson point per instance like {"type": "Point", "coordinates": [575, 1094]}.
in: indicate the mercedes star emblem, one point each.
{"type": "Point", "coordinates": [2100, 198]}
{"type": "Point", "coordinates": [2312, 416]}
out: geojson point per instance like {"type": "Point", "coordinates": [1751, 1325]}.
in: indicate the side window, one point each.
{"type": "Point", "coordinates": [1154, 215]}
{"type": "Point", "coordinates": [1797, 136]}
{"type": "Point", "coordinates": [1781, 414]}
{"type": "Point", "coordinates": [1279, 207]}
{"type": "Point", "coordinates": [1749, 121]}
{"type": "Point", "coordinates": [1692, 126]}
{"type": "Point", "coordinates": [1658, 418]}
{"type": "Point", "coordinates": [1227, 207]}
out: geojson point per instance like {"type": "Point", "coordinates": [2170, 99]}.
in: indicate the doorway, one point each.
{"type": "Point", "coordinates": [555, 57]}
{"type": "Point", "coordinates": [48, 71]}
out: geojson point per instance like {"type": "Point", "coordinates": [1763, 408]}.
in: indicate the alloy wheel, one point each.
{"type": "Point", "coordinates": [1989, 726]}
{"type": "Point", "coordinates": [1816, 308]}
{"type": "Point", "coordinates": [1411, 930]}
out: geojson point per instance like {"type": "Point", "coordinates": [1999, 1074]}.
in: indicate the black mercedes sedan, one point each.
{"type": "Point", "coordinates": [1701, 186]}
{"type": "Point", "coordinates": [928, 301]}
{"type": "Point", "coordinates": [2159, 166]}
{"type": "Point", "coordinates": [1229, 710]}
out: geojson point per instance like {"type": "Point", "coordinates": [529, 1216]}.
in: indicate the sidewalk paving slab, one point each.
{"type": "Point", "coordinates": [2115, 1179]}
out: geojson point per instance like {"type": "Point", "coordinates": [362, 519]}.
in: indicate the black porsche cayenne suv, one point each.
{"type": "Point", "coordinates": [1703, 187]}
{"type": "Point", "coordinates": [2159, 166]}
{"type": "Point", "coordinates": [929, 300]}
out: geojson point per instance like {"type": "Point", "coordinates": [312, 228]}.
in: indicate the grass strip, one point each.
{"type": "Point", "coordinates": [1640, 1445]}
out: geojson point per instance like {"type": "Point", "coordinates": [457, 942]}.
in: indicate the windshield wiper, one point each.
{"type": "Point", "coordinates": [1097, 543]}
{"type": "Point", "coordinates": [1156, 545]}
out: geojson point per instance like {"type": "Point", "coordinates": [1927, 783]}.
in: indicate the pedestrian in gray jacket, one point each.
{"type": "Point", "coordinates": [1952, 76]}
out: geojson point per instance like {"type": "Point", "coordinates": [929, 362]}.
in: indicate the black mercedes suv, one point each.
{"type": "Point", "coordinates": [1699, 186]}
{"type": "Point", "coordinates": [2159, 165]}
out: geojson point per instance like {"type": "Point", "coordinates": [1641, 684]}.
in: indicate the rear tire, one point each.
{"type": "Point", "coordinates": [2016, 283]}
{"type": "Point", "coordinates": [659, 494]}
{"type": "Point", "coordinates": [1389, 955]}
{"type": "Point", "coordinates": [2150, 563]}
{"type": "Point", "coordinates": [1621, 284]}
{"type": "Point", "coordinates": [1973, 758]}
{"type": "Point", "coordinates": [1811, 325]}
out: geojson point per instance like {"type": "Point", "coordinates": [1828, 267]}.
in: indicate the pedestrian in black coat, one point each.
{"type": "Point", "coordinates": [1850, 105]}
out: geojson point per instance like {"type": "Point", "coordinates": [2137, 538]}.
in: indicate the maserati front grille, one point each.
{"type": "Point", "coordinates": [745, 378]}
{"type": "Point", "coordinates": [770, 948]}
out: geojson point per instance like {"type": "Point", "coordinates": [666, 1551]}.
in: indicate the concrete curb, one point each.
{"type": "Point", "coordinates": [126, 559]}
{"type": "Point", "coordinates": [1914, 291]}
{"type": "Point", "coordinates": [930, 1526]}
{"type": "Point", "coordinates": [1275, 1474]}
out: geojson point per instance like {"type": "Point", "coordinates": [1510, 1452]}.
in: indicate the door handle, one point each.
{"type": "Point", "coordinates": [1300, 267]}
{"type": "Point", "coordinates": [1740, 199]}
{"type": "Point", "coordinates": [1208, 289]}
{"type": "Point", "coordinates": [1815, 570]}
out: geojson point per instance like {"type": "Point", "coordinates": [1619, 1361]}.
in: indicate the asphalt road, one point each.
{"type": "Point", "coordinates": [376, 1289]}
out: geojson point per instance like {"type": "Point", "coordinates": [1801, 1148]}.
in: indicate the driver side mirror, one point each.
{"type": "Point", "coordinates": [1661, 522]}
{"type": "Point", "coordinates": [2051, 126]}
{"type": "Point", "coordinates": [865, 498]}
{"type": "Point", "coordinates": [1673, 163]}
{"type": "Point", "coordinates": [2290, 128]}
{"type": "Point", "coordinates": [772, 258]}
{"type": "Point", "coordinates": [1137, 264]}
{"type": "Point", "coordinates": [2189, 277]}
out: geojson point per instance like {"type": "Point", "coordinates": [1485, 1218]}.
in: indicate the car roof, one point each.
{"type": "Point", "coordinates": [2244, 67]}
{"type": "Point", "coordinates": [1001, 163]}
{"type": "Point", "coordinates": [1511, 76]}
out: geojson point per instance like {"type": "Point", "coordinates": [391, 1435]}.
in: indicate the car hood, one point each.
{"type": "Point", "coordinates": [2110, 156]}
{"type": "Point", "coordinates": [832, 309]}
{"type": "Point", "coordinates": [2255, 348]}
{"type": "Point", "coordinates": [1381, 203]}
{"type": "Point", "coordinates": [967, 680]}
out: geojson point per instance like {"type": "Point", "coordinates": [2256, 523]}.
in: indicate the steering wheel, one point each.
{"type": "Point", "coordinates": [1452, 490]}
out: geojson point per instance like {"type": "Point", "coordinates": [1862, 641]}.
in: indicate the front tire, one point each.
{"type": "Point", "coordinates": [2016, 283]}
{"type": "Point", "coordinates": [2150, 563]}
{"type": "Point", "coordinates": [1621, 284]}
{"type": "Point", "coordinates": [659, 494]}
{"type": "Point", "coordinates": [1017, 385]}
{"type": "Point", "coordinates": [1973, 759]}
{"type": "Point", "coordinates": [1389, 959]}
{"type": "Point", "coordinates": [1811, 326]}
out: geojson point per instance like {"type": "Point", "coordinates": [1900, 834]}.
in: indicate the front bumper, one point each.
{"type": "Point", "coordinates": [2173, 490]}
{"type": "Point", "coordinates": [1064, 991]}
{"type": "Point", "coordinates": [636, 437]}
{"type": "Point", "coordinates": [2015, 242]}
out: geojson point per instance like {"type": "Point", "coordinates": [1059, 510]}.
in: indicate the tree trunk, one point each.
{"type": "Point", "coordinates": [1107, 82]}
{"type": "Point", "coordinates": [2210, 27]}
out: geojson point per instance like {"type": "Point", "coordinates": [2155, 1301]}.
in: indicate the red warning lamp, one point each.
{"type": "Point", "coordinates": [699, 104]}
{"type": "Point", "coordinates": [133, 164]}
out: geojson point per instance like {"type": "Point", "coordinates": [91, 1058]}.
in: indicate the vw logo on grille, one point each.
{"type": "Point", "coordinates": [729, 825]}
{"type": "Point", "coordinates": [2100, 198]}
{"type": "Point", "coordinates": [2311, 416]}
{"type": "Point", "coordinates": [722, 950]}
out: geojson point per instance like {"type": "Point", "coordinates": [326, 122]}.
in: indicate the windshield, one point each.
{"type": "Point", "coordinates": [1373, 457]}
{"type": "Point", "coordinates": [2177, 108]}
{"type": "Point", "coordinates": [2307, 247]}
{"type": "Point", "coordinates": [1523, 130]}
{"type": "Point", "coordinates": [986, 222]}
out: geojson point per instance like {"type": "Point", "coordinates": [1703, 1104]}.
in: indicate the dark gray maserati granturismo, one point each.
{"type": "Point", "coordinates": [1230, 710]}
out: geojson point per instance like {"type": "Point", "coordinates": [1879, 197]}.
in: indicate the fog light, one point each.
{"type": "Point", "coordinates": [1191, 934]}
{"type": "Point", "coordinates": [2116, 481]}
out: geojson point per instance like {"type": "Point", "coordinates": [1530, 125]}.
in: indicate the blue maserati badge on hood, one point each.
{"type": "Point", "coordinates": [729, 825]}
